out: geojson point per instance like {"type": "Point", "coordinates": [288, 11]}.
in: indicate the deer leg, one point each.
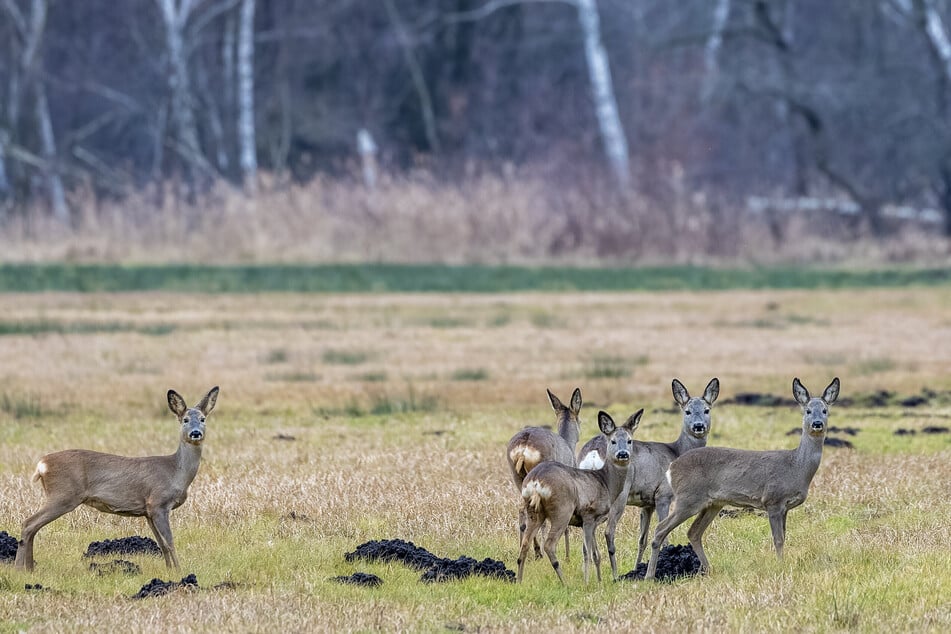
{"type": "Point", "coordinates": [53, 509]}
{"type": "Point", "coordinates": [777, 522]}
{"type": "Point", "coordinates": [158, 522]}
{"type": "Point", "coordinates": [646, 513]}
{"type": "Point", "coordinates": [695, 534]}
{"type": "Point", "coordinates": [528, 536]}
{"type": "Point", "coordinates": [557, 526]}
{"type": "Point", "coordinates": [592, 550]}
{"type": "Point", "coordinates": [566, 545]}
{"type": "Point", "coordinates": [679, 515]}
{"type": "Point", "coordinates": [610, 529]}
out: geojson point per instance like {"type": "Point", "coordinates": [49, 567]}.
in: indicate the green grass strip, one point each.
{"type": "Point", "coordinates": [390, 278]}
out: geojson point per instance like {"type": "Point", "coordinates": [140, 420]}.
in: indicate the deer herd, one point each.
{"type": "Point", "coordinates": [678, 480]}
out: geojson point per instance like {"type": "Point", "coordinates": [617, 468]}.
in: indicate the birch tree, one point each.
{"type": "Point", "coordinates": [610, 127]}
{"type": "Point", "coordinates": [175, 16]}
{"type": "Point", "coordinates": [29, 29]}
{"type": "Point", "coordinates": [245, 61]}
{"type": "Point", "coordinates": [939, 43]}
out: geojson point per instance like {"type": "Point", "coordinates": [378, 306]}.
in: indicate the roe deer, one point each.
{"type": "Point", "coordinates": [647, 479]}
{"type": "Point", "coordinates": [533, 445]}
{"type": "Point", "coordinates": [707, 479]}
{"type": "Point", "coordinates": [150, 486]}
{"type": "Point", "coordinates": [566, 495]}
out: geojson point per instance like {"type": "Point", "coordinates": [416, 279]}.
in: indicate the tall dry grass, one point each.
{"type": "Point", "coordinates": [510, 217]}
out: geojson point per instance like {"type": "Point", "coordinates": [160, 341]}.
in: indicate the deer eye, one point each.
{"type": "Point", "coordinates": [825, 411]}
{"type": "Point", "coordinates": [185, 420]}
{"type": "Point", "coordinates": [613, 442]}
{"type": "Point", "coordinates": [706, 411]}
{"type": "Point", "coordinates": [201, 420]}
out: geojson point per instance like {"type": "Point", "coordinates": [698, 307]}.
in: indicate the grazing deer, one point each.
{"type": "Point", "coordinates": [150, 486]}
{"type": "Point", "coordinates": [707, 479]}
{"type": "Point", "coordinates": [566, 495]}
{"type": "Point", "coordinates": [534, 445]}
{"type": "Point", "coordinates": [647, 479]}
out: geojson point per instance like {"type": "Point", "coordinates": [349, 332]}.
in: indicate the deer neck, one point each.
{"type": "Point", "coordinates": [568, 429]}
{"type": "Point", "coordinates": [809, 452]}
{"type": "Point", "coordinates": [615, 477]}
{"type": "Point", "coordinates": [186, 460]}
{"type": "Point", "coordinates": [687, 441]}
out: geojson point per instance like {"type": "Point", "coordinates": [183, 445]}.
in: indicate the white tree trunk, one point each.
{"type": "Point", "coordinates": [721, 13]}
{"type": "Point", "coordinates": [602, 92]}
{"type": "Point", "coordinates": [937, 36]}
{"type": "Point", "coordinates": [246, 137]}
{"type": "Point", "coordinates": [48, 144]}
{"type": "Point", "coordinates": [175, 16]}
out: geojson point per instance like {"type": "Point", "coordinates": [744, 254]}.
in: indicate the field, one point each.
{"type": "Point", "coordinates": [349, 417]}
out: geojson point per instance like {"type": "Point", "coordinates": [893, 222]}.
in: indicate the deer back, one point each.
{"type": "Point", "coordinates": [110, 483]}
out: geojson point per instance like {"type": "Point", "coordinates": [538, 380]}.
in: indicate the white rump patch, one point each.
{"type": "Point", "coordinates": [41, 468]}
{"type": "Point", "coordinates": [592, 462]}
{"type": "Point", "coordinates": [534, 486]}
{"type": "Point", "coordinates": [528, 454]}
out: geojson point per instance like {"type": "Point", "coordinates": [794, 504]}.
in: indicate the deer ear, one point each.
{"type": "Point", "coordinates": [800, 392]}
{"type": "Point", "coordinates": [176, 403]}
{"type": "Point", "coordinates": [208, 403]}
{"type": "Point", "coordinates": [712, 391]}
{"type": "Point", "coordinates": [576, 401]}
{"type": "Point", "coordinates": [556, 404]}
{"type": "Point", "coordinates": [634, 420]}
{"type": "Point", "coordinates": [606, 423]}
{"type": "Point", "coordinates": [680, 392]}
{"type": "Point", "coordinates": [832, 392]}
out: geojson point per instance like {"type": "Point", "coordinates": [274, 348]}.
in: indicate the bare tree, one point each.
{"type": "Point", "coordinates": [30, 29]}
{"type": "Point", "coordinates": [175, 16]}
{"type": "Point", "coordinates": [246, 135]}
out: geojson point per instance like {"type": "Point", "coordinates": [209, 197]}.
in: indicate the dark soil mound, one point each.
{"type": "Point", "coordinates": [157, 587]}
{"type": "Point", "coordinates": [34, 586]}
{"type": "Point", "coordinates": [114, 566]}
{"type": "Point", "coordinates": [756, 398]}
{"type": "Point", "coordinates": [360, 579]}
{"type": "Point", "coordinates": [406, 553]}
{"type": "Point", "coordinates": [449, 569]}
{"type": "Point", "coordinates": [930, 429]}
{"type": "Point", "coordinates": [8, 547]}
{"type": "Point", "coordinates": [831, 441]}
{"type": "Point", "coordinates": [675, 561]}
{"type": "Point", "coordinates": [436, 568]}
{"type": "Point", "coordinates": [914, 401]}
{"type": "Point", "coordinates": [124, 546]}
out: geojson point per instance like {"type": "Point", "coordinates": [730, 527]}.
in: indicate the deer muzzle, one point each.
{"type": "Point", "coordinates": [195, 434]}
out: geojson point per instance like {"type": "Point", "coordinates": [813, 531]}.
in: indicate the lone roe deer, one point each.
{"type": "Point", "coordinates": [707, 479]}
{"type": "Point", "coordinates": [150, 486]}
{"type": "Point", "coordinates": [534, 445]}
{"type": "Point", "coordinates": [647, 479]}
{"type": "Point", "coordinates": [566, 495]}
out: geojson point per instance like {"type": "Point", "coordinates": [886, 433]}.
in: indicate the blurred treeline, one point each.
{"type": "Point", "coordinates": [775, 107]}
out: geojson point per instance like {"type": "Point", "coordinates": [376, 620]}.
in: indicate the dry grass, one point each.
{"type": "Point", "coordinates": [518, 217]}
{"type": "Point", "coordinates": [429, 467]}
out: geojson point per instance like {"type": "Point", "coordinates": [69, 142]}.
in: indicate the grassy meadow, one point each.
{"type": "Point", "coordinates": [349, 417]}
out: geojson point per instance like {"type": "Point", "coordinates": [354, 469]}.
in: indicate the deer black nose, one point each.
{"type": "Point", "coordinates": [698, 428]}
{"type": "Point", "coordinates": [623, 455]}
{"type": "Point", "coordinates": [195, 434]}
